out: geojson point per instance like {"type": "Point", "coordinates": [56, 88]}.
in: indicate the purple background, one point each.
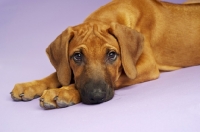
{"type": "Point", "coordinates": [169, 104]}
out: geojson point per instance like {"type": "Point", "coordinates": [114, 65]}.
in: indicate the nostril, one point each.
{"type": "Point", "coordinates": [92, 99]}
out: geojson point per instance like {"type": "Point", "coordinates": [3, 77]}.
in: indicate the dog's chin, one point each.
{"type": "Point", "coordinates": [97, 98]}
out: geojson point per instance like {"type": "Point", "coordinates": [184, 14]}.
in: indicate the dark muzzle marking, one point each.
{"type": "Point", "coordinates": [94, 92]}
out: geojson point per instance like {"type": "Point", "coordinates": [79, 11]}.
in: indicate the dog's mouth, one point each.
{"type": "Point", "coordinates": [96, 92]}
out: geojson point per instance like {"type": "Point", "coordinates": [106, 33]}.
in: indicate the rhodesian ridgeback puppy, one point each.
{"type": "Point", "coordinates": [120, 44]}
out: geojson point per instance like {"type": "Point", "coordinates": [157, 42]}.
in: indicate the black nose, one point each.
{"type": "Point", "coordinates": [94, 92]}
{"type": "Point", "coordinates": [97, 96]}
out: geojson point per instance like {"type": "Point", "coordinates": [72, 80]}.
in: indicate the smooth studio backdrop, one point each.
{"type": "Point", "coordinates": [168, 104]}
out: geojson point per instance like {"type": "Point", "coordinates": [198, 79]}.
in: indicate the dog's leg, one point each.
{"type": "Point", "coordinates": [30, 90]}
{"type": "Point", "coordinates": [59, 98]}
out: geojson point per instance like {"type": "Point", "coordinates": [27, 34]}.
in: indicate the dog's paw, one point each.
{"type": "Point", "coordinates": [27, 91]}
{"type": "Point", "coordinates": [59, 98]}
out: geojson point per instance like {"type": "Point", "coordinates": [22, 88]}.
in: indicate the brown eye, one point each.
{"type": "Point", "coordinates": [77, 57]}
{"type": "Point", "coordinates": [112, 56]}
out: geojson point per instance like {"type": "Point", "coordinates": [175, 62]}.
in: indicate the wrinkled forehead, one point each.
{"type": "Point", "coordinates": [92, 35]}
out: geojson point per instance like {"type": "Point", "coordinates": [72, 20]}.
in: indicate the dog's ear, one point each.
{"type": "Point", "coordinates": [57, 52]}
{"type": "Point", "coordinates": [131, 46]}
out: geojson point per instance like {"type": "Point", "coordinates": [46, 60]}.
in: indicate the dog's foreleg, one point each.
{"type": "Point", "coordinates": [30, 90]}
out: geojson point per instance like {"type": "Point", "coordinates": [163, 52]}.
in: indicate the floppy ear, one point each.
{"type": "Point", "coordinates": [131, 45]}
{"type": "Point", "coordinates": [57, 52]}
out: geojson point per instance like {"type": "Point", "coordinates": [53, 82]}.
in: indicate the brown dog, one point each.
{"type": "Point", "coordinates": [121, 44]}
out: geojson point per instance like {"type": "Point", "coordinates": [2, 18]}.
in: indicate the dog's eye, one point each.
{"type": "Point", "coordinates": [112, 56]}
{"type": "Point", "coordinates": [77, 57]}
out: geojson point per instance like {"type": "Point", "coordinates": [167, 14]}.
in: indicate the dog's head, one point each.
{"type": "Point", "coordinates": [93, 56]}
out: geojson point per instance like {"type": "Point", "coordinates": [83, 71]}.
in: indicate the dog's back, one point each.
{"type": "Point", "coordinates": [178, 35]}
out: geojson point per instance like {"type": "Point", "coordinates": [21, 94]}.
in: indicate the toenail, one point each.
{"type": "Point", "coordinates": [48, 106]}
{"type": "Point", "coordinates": [21, 95]}
{"type": "Point", "coordinates": [55, 98]}
{"type": "Point", "coordinates": [61, 104]}
{"type": "Point", "coordinates": [36, 96]}
{"type": "Point", "coordinates": [41, 100]}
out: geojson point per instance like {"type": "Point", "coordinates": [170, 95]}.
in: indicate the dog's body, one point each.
{"type": "Point", "coordinates": [121, 44]}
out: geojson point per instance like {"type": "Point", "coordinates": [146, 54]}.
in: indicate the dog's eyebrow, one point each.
{"type": "Point", "coordinates": [109, 47]}
{"type": "Point", "coordinates": [80, 48]}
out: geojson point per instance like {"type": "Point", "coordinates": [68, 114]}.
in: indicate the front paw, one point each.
{"type": "Point", "coordinates": [27, 91]}
{"type": "Point", "coordinates": [59, 98]}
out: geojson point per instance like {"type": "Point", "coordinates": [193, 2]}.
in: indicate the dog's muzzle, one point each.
{"type": "Point", "coordinates": [96, 92]}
